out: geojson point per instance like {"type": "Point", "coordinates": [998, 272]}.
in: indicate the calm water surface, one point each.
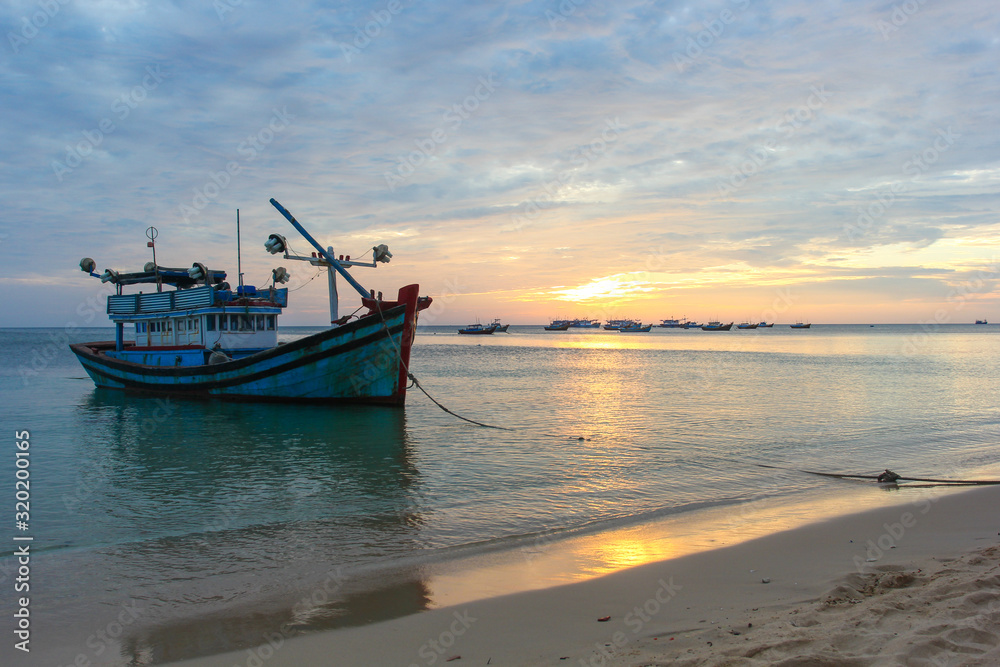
{"type": "Point", "coordinates": [205, 525]}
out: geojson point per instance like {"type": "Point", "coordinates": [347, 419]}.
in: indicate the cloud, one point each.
{"type": "Point", "coordinates": [790, 122]}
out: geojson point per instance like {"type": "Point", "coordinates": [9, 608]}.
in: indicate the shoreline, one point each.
{"type": "Point", "coordinates": [697, 606]}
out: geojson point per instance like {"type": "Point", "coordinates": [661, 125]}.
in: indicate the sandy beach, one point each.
{"type": "Point", "coordinates": [913, 584]}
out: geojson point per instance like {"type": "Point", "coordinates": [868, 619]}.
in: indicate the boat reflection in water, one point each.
{"type": "Point", "coordinates": [229, 521]}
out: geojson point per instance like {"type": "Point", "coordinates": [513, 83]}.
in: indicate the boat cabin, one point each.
{"type": "Point", "coordinates": [184, 325]}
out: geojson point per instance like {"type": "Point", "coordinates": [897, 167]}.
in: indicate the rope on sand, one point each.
{"type": "Point", "coordinates": [889, 476]}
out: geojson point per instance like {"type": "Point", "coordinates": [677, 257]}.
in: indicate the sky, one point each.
{"type": "Point", "coordinates": [832, 162]}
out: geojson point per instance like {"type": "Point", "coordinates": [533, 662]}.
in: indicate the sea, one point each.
{"type": "Point", "coordinates": [156, 530]}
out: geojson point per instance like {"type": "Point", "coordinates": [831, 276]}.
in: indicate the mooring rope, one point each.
{"type": "Point", "coordinates": [416, 383]}
{"type": "Point", "coordinates": [958, 482]}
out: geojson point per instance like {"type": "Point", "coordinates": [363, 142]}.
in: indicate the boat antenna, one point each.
{"type": "Point", "coordinates": [151, 243]}
{"type": "Point", "coordinates": [239, 269]}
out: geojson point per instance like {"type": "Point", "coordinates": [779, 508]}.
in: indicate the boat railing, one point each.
{"type": "Point", "coordinates": [196, 297]}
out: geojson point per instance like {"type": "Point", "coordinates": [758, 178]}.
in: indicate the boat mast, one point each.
{"type": "Point", "coordinates": [331, 277]}
{"type": "Point", "coordinates": [239, 269]}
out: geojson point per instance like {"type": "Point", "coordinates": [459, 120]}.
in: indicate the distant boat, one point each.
{"type": "Point", "coordinates": [717, 326]}
{"type": "Point", "coordinates": [615, 325]}
{"type": "Point", "coordinates": [981, 322]}
{"type": "Point", "coordinates": [691, 325]}
{"type": "Point", "coordinates": [746, 325]}
{"type": "Point", "coordinates": [502, 328]}
{"type": "Point", "coordinates": [764, 325]}
{"type": "Point", "coordinates": [585, 324]}
{"type": "Point", "coordinates": [558, 325]}
{"type": "Point", "coordinates": [800, 325]}
{"type": "Point", "coordinates": [671, 324]}
{"type": "Point", "coordinates": [636, 327]}
{"type": "Point", "coordinates": [478, 329]}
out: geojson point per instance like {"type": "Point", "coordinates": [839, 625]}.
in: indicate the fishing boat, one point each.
{"type": "Point", "coordinates": [558, 325]}
{"type": "Point", "coordinates": [765, 325]}
{"type": "Point", "coordinates": [691, 325]}
{"type": "Point", "coordinates": [502, 328]}
{"type": "Point", "coordinates": [195, 336]}
{"type": "Point", "coordinates": [670, 324]}
{"type": "Point", "coordinates": [615, 325]}
{"type": "Point", "coordinates": [584, 324]}
{"type": "Point", "coordinates": [746, 325]}
{"type": "Point", "coordinates": [717, 326]}
{"type": "Point", "coordinates": [636, 328]}
{"type": "Point", "coordinates": [800, 325]}
{"type": "Point", "coordinates": [981, 322]}
{"type": "Point", "coordinates": [479, 329]}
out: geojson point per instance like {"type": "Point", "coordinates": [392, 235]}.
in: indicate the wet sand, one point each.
{"type": "Point", "coordinates": [908, 584]}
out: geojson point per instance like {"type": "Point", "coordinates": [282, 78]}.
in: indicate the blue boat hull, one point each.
{"type": "Point", "coordinates": [358, 362]}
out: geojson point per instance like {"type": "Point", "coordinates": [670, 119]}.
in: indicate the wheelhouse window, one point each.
{"type": "Point", "coordinates": [210, 323]}
{"type": "Point", "coordinates": [270, 322]}
{"type": "Point", "coordinates": [223, 322]}
{"type": "Point", "coordinates": [260, 323]}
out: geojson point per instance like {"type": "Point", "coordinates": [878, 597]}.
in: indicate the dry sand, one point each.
{"type": "Point", "coordinates": [914, 584]}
